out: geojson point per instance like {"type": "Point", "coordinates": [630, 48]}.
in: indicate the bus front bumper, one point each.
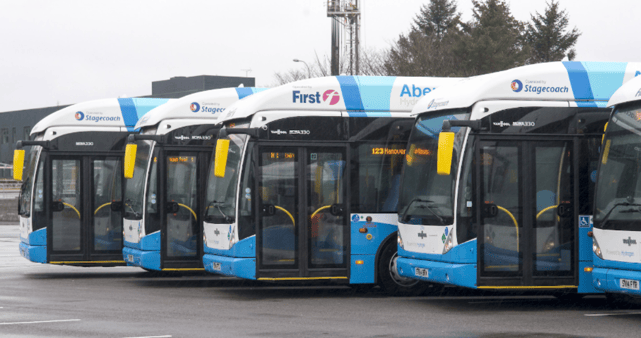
{"type": "Point", "coordinates": [230, 266]}
{"type": "Point", "coordinates": [34, 253]}
{"type": "Point", "coordinates": [609, 280]}
{"type": "Point", "coordinates": [141, 258]}
{"type": "Point", "coordinates": [438, 272]}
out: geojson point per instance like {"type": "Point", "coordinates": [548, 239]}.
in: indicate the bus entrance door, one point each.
{"type": "Point", "coordinates": [303, 228]}
{"type": "Point", "coordinates": [526, 213]}
{"type": "Point", "coordinates": [84, 228]}
{"type": "Point", "coordinates": [181, 230]}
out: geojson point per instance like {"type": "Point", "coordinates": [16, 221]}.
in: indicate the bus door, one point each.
{"type": "Point", "coordinates": [83, 225]}
{"type": "Point", "coordinates": [181, 231]}
{"type": "Point", "coordinates": [526, 211]}
{"type": "Point", "coordinates": [303, 229]}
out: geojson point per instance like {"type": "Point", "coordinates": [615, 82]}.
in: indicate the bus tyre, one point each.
{"type": "Point", "coordinates": [390, 280]}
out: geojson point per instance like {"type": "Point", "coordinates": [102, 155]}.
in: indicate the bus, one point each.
{"type": "Point", "coordinates": [162, 197]}
{"type": "Point", "coordinates": [500, 177]}
{"type": "Point", "coordinates": [70, 199]}
{"type": "Point", "coordinates": [617, 216]}
{"type": "Point", "coordinates": [304, 184]}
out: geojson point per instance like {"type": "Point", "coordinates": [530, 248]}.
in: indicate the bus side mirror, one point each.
{"type": "Point", "coordinates": [18, 164]}
{"type": "Point", "coordinates": [130, 160]}
{"type": "Point", "coordinates": [444, 155]}
{"type": "Point", "coordinates": [220, 162]}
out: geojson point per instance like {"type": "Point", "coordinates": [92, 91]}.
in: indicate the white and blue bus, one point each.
{"type": "Point", "coordinates": [70, 200]}
{"type": "Point", "coordinates": [304, 185]}
{"type": "Point", "coordinates": [163, 198]}
{"type": "Point", "coordinates": [617, 216]}
{"type": "Point", "coordinates": [501, 199]}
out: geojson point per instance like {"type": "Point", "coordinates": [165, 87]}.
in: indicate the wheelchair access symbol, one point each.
{"type": "Point", "coordinates": [585, 221]}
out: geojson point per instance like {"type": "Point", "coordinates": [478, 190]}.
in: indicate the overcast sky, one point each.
{"type": "Point", "coordinates": [63, 51]}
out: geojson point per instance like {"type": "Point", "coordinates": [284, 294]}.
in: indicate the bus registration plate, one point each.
{"type": "Point", "coordinates": [420, 272]}
{"type": "Point", "coordinates": [130, 258]}
{"type": "Point", "coordinates": [629, 284]}
{"type": "Point", "coordinates": [216, 266]}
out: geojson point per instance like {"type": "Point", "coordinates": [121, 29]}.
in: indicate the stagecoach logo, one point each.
{"type": "Point", "coordinates": [629, 241]}
{"type": "Point", "coordinates": [80, 116]}
{"type": "Point", "coordinates": [331, 95]}
{"type": "Point", "coordinates": [502, 124]}
{"type": "Point", "coordinates": [517, 86]}
{"type": "Point", "coordinates": [195, 107]}
{"type": "Point", "coordinates": [278, 132]}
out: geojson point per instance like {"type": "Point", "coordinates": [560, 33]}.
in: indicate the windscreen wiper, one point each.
{"type": "Point", "coordinates": [217, 205]}
{"type": "Point", "coordinates": [428, 207]}
{"type": "Point", "coordinates": [625, 204]}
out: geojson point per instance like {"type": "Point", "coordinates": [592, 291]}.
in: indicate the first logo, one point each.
{"type": "Point", "coordinates": [80, 116]}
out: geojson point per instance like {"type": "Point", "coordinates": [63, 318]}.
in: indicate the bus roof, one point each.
{"type": "Point", "coordinates": [358, 95]}
{"type": "Point", "coordinates": [100, 113]}
{"type": "Point", "coordinates": [588, 84]}
{"type": "Point", "coordinates": [630, 91]}
{"type": "Point", "coordinates": [207, 104]}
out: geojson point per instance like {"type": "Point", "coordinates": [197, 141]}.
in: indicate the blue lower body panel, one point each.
{"type": "Point", "coordinates": [363, 273]}
{"type": "Point", "coordinates": [34, 253]}
{"type": "Point", "coordinates": [230, 266]}
{"type": "Point", "coordinates": [144, 259]}
{"type": "Point", "coordinates": [439, 272]}
{"type": "Point", "coordinates": [608, 280]}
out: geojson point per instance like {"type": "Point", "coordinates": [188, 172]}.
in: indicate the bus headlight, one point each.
{"type": "Point", "coordinates": [205, 238]}
{"type": "Point", "coordinates": [449, 243]}
{"type": "Point", "coordinates": [596, 248]}
{"type": "Point", "coordinates": [399, 240]}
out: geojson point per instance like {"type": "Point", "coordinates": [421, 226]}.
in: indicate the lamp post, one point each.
{"type": "Point", "coordinates": [309, 72]}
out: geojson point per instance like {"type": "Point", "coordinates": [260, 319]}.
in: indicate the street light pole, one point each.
{"type": "Point", "coordinates": [309, 72]}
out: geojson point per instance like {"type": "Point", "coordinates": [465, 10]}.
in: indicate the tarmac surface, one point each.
{"type": "Point", "coordinates": [39, 300]}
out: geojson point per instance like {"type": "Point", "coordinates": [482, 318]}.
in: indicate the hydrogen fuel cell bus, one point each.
{"type": "Point", "coordinates": [163, 197]}
{"type": "Point", "coordinates": [617, 216]}
{"type": "Point", "coordinates": [70, 200]}
{"type": "Point", "coordinates": [304, 185]}
{"type": "Point", "coordinates": [499, 200]}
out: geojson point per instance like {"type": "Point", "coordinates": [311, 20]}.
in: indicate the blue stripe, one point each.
{"type": "Point", "coordinates": [605, 78]}
{"type": "Point", "coordinates": [579, 80]}
{"type": "Point", "coordinates": [376, 91]}
{"type": "Point", "coordinates": [244, 92]}
{"type": "Point", "coordinates": [351, 93]}
{"type": "Point", "coordinates": [129, 114]}
{"type": "Point", "coordinates": [144, 105]}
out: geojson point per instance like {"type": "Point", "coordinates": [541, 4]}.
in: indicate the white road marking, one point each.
{"type": "Point", "coordinates": [151, 337]}
{"type": "Point", "coordinates": [43, 321]}
{"type": "Point", "coordinates": [611, 314]}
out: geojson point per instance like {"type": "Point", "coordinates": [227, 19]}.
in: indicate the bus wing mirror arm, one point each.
{"type": "Point", "coordinates": [257, 133]}
{"type": "Point", "coordinates": [26, 143]}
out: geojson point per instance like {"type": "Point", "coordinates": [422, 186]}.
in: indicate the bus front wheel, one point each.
{"type": "Point", "coordinates": [389, 279]}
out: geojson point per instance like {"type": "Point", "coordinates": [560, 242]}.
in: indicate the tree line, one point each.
{"type": "Point", "coordinates": [441, 44]}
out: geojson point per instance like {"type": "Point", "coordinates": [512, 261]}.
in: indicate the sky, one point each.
{"type": "Point", "coordinates": [58, 52]}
